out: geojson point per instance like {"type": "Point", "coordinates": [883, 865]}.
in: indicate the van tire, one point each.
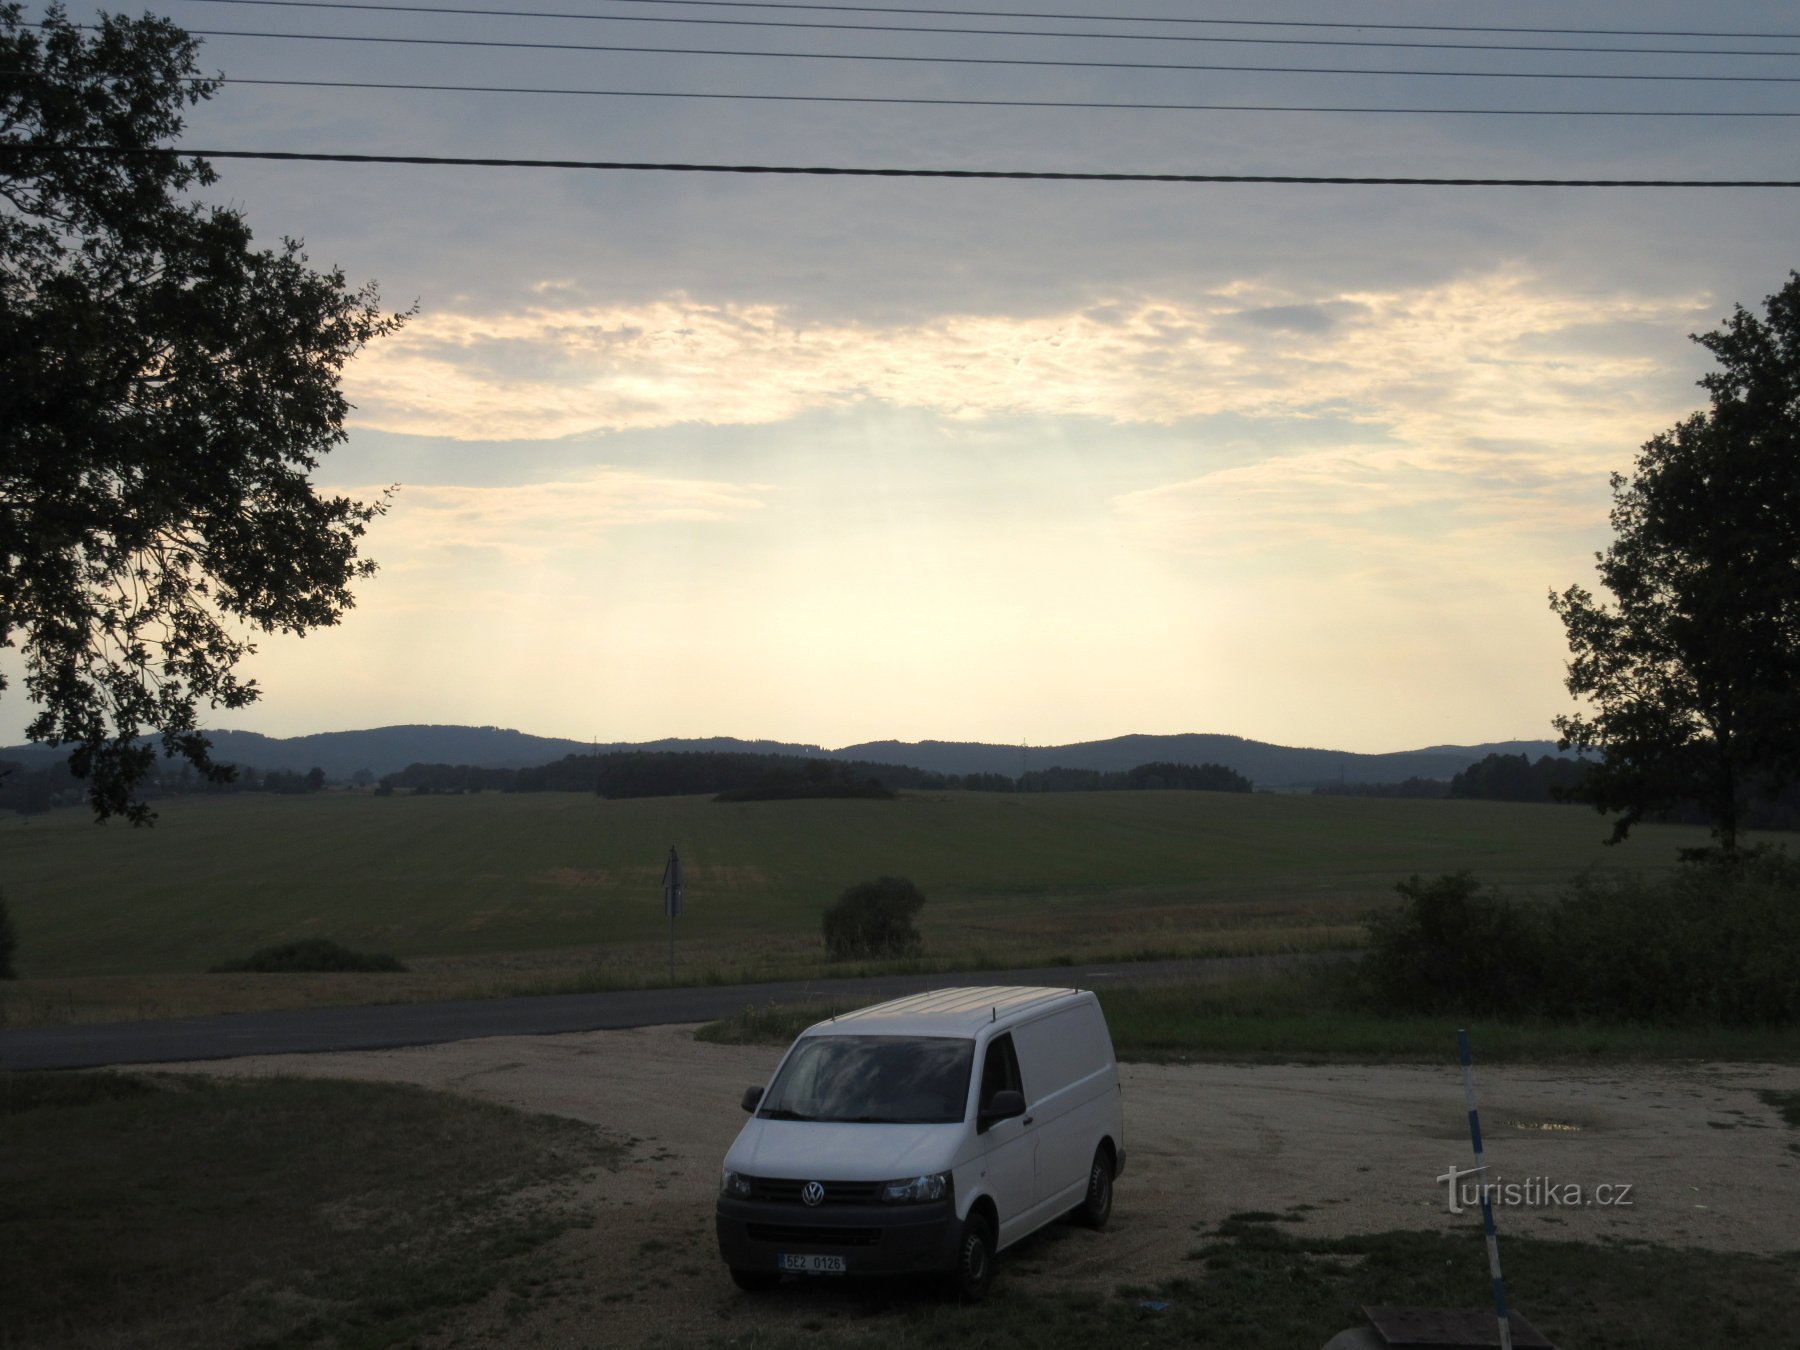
{"type": "Point", "coordinates": [974, 1260]}
{"type": "Point", "coordinates": [1096, 1206]}
{"type": "Point", "coordinates": [754, 1281]}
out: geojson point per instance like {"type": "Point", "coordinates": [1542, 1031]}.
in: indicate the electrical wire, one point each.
{"type": "Point", "coordinates": [824, 171]}
{"type": "Point", "coordinates": [979, 60]}
{"type": "Point", "coordinates": [1142, 18]}
{"type": "Point", "coordinates": [1001, 32]}
{"type": "Point", "coordinates": [999, 102]}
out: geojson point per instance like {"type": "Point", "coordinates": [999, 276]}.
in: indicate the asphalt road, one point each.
{"type": "Point", "coordinates": [388, 1025]}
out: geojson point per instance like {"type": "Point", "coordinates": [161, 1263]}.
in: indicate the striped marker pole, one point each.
{"type": "Point", "coordinates": [1487, 1204]}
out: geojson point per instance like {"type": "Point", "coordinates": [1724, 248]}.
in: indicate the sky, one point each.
{"type": "Point", "coordinates": [830, 459]}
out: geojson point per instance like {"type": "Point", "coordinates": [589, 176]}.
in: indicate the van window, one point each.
{"type": "Point", "coordinates": [999, 1071]}
{"type": "Point", "coordinates": [875, 1080]}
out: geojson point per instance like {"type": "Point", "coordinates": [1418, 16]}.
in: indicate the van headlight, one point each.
{"type": "Point", "coordinates": [916, 1190]}
{"type": "Point", "coordinates": [734, 1185]}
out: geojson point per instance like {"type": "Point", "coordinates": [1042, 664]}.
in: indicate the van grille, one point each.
{"type": "Point", "coordinates": [800, 1235]}
{"type": "Point", "coordinates": [787, 1191]}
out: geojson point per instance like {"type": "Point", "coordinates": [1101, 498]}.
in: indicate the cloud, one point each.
{"type": "Point", "coordinates": [1362, 507]}
{"type": "Point", "coordinates": [1301, 318]}
{"type": "Point", "coordinates": [1471, 363]}
{"type": "Point", "coordinates": [529, 519]}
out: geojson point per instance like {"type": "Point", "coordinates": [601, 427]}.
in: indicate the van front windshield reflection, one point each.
{"type": "Point", "coordinates": [876, 1080]}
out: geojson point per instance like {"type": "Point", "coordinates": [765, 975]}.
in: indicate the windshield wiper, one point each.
{"type": "Point", "coordinates": [873, 1120]}
{"type": "Point", "coordinates": [782, 1113]}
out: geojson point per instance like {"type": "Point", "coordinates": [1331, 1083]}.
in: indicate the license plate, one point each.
{"type": "Point", "coordinates": [812, 1263]}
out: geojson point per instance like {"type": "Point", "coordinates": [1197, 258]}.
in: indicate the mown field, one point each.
{"type": "Point", "coordinates": [488, 892]}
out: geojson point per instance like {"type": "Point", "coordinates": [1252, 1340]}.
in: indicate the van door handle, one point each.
{"type": "Point", "coordinates": [1026, 1121]}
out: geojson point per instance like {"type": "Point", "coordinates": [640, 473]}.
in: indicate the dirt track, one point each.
{"type": "Point", "coordinates": [1707, 1162]}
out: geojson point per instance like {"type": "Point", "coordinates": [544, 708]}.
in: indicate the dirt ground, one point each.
{"type": "Point", "coordinates": [1356, 1149]}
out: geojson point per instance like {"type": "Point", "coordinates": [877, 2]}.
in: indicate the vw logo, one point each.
{"type": "Point", "coordinates": [812, 1193]}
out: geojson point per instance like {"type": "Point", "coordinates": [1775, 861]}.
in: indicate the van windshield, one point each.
{"type": "Point", "coordinates": [876, 1080]}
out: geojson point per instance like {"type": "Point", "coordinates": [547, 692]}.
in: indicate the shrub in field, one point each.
{"type": "Point", "coordinates": [1452, 946]}
{"type": "Point", "coordinates": [874, 918]}
{"type": "Point", "coordinates": [309, 954]}
{"type": "Point", "coordinates": [1713, 942]}
{"type": "Point", "coordinates": [9, 943]}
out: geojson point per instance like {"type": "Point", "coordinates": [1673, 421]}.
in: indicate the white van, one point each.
{"type": "Point", "coordinates": [926, 1134]}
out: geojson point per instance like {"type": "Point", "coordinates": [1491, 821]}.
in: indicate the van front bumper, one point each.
{"type": "Point", "coordinates": [872, 1239]}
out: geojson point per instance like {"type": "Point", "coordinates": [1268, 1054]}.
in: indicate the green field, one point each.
{"type": "Point", "coordinates": [522, 886]}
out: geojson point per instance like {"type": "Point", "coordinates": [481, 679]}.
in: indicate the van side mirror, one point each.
{"type": "Point", "coordinates": [753, 1098]}
{"type": "Point", "coordinates": [1005, 1105]}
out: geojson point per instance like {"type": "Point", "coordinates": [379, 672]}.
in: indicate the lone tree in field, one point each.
{"type": "Point", "coordinates": [1692, 674]}
{"type": "Point", "coordinates": [874, 918]}
{"type": "Point", "coordinates": [165, 392]}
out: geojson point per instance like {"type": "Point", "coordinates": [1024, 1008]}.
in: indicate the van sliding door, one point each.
{"type": "Point", "coordinates": [1066, 1072]}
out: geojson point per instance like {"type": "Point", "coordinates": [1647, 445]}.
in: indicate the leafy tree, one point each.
{"type": "Point", "coordinates": [1693, 673]}
{"type": "Point", "coordinates": [1452, 945]}
{"type": "Point", "coordinates": [165, 391]}
{"type": "Point", "coordinates": [1192, 777]}
{"type": "Point", "coordinates": [1514, 778]}
{"type": "Point", "coordinates": [874, 918]}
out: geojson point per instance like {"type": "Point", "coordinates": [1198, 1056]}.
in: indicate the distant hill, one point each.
{"type": "Point", "coordinates": [389, 749]}
{"type": "Point", "coordinates": [1268, 766]}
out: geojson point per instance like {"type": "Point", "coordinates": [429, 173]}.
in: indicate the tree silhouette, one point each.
{"type": "Point", "coordinates": [1692, 674]}
{"type": "Point", "coordinates": [165, 392]}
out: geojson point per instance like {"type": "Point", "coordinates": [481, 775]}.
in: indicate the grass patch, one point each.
{"type": "Point", "coordinates": [310, 955]}
{"type": "Point", "coordinates": [165, 1210]}
{"type": "Point", "coordinates": [1254, 1286]}
{"type": "Point", "coordinates": [1308, 1016]}
{"type": "Point", "coordinates": [771, 1024]}
{"type": "Point", "coordinates": [1787, 1103]}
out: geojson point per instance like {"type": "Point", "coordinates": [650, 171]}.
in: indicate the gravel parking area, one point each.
{"type": "Point", "coordinates": [1349, 1148]}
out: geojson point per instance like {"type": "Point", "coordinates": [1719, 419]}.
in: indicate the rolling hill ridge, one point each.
{"type": "Point", "coordinates": [384, 750]}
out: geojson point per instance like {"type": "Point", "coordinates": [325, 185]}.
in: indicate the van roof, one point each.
{"type": "Point", "coordinates": [943, 1012]}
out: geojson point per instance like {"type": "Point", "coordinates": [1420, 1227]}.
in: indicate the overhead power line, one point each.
{"type": "Point", "coordinates": [814, 24]}
{"type": "Point", "coordinates": [838, 171]}
{"type": "Point", "coordinates": [984, 60]}
{"type": "Point", "coordinates": [1163, 19]}
{"type": "Point", "coordinates": [1004, 102]}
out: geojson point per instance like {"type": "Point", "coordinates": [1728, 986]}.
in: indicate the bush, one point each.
{"type": "Point", "coordinates": [9, 944]}
{"type": "Point", "coordinates": [1452, 946]}
{"type": "Point", "coordinates": [1710, 943]}
{"type": "Point", "coordinates": [874, 918]}
{"type": "Point", "coordinates": [309, 954]}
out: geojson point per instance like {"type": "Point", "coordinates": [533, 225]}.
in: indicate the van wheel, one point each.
{"type": "Point", "coordinates": [754, 1281]}
{"type": "Point", "coordinates": [974, 1261]}
{"type": "Point", "coordinates": [1096, 1207]}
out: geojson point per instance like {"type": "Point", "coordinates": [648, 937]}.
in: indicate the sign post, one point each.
{"type": "Point", "coordinates": [1487, 1204]}
{"type": "Point", "coordinates": [672, 901]}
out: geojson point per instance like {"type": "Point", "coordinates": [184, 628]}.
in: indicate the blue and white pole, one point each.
{"type": "Point", "coordinates": [1487, 1203]}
